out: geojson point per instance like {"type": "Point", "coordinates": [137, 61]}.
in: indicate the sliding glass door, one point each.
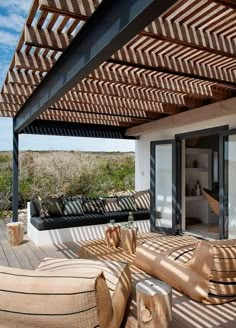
{"type": "Point", "coordinates": [163, 217]}
{"type": "Point", "coordinates": [228, 184]}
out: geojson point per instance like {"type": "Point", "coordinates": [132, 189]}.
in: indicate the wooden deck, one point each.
{"type": "Point", "coordinates": [186, 313]}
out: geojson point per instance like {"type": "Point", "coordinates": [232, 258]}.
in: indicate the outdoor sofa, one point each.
{"type": "Point", "coordinates": [59, 219]}
{"type": "Point", "coordinates": [62, 293]}
{"type": "Point", "coordinates": [203, 270]}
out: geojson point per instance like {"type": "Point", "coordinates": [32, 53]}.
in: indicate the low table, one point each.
{"type": "Point", "coordinates": [128, 237]}
{"type": "Point", "coordinates": [112, 235]}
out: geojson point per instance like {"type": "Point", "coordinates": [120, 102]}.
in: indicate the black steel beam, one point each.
{"type": "Point", "coordinates": [15, 199]}
{"type": "Point", "coordinates": [68, 129]}
{"type": "Point", "coordinates": [111, 26]}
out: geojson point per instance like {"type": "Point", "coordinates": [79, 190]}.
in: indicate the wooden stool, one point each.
{"type": "Point", "coordinates": [129, 239]}
{"type": "Point", "coordinates": [112, 235]}
{"type": "Point", "coordinates": [154, 304]}
{"type": "Point", "coordinates": [15, 233]}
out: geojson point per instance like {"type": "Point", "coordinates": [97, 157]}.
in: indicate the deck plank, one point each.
{"type": "Point", "coordinates": [3, 258]}
{"type": "Point", "coordinates": [186, 312]}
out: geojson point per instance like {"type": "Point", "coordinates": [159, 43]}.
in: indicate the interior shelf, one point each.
{"type": "Point", "coordinates": [198, 169]}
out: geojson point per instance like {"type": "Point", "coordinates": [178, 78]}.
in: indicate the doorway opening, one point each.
{"type": "Point", "coordinates": [200, 181]}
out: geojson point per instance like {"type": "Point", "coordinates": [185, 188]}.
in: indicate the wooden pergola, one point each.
{"type": "Point", "coordinates": [98, 68]}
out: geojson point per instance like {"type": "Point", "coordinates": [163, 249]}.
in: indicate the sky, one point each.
{"type": "Point", "coordinates": [12, 17]}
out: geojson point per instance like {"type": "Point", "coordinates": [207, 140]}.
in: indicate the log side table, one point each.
{"type": "Point", "coordinates": [112, 235]}
{"type": "Point", "coordinates": [129, 239]}
{"type": "Point", "coordinates": [154, 303]}
{"type": "Point", "coordinates": [15, 233]}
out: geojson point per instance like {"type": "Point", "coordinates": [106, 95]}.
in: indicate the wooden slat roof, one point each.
{"type": "Point", "coordinates": [185, 59]}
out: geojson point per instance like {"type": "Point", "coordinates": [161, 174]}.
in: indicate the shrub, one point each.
{"type": "Point", "coordinates": [70, 173]}
{"type": "Point", "coordinates": [5, 190]}
{"type": "Point", "coordinates": [5, 158]}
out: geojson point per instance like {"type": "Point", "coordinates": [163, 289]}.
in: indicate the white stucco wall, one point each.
{"type": "Point", "coordinates": [142, 147]}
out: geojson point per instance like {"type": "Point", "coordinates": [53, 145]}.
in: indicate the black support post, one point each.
{"type": "Point", "coordinates": [15, 174]}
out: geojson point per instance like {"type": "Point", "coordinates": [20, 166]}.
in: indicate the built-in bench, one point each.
{"type": "Point", "coordinates": [87, 226]}
{"type": "Point", "coordinates": [85, 220]}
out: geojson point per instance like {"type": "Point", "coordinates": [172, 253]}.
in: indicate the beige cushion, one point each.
{"type": "Point", "coordinates": [111, 205]}
{"type": "Point", "coordinates": [117, 275]}
{"type": "Point", "coordinates": [205, 271]}
{"type": "Point", "coordinates": [222, 280]}
{"type": "Point", "coordinates": [54, 299]}
{"type": "Point", "coordinates": [142, 199]}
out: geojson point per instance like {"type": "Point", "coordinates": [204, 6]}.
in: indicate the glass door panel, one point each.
{"type": "Point", "coordinates": [230, 171]}
{"type": "Point", "coordinates": [162, 178]}
{"type": "Point", "coordinates": [228, 186]}
{"type": "Point", "coordinates": [163, 186]}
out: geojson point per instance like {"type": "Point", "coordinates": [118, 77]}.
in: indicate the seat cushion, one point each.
{"type": "Point", "coordinates": [203, 270]}
{"type": "Point", "coordinates": [222, 282]}
{"type": "Point", "coordinates": [73, 207]}
{"type": "Point", "coordinates": [67, 221]}
{"type": "Point", "coordinates": [117, 275]}
{"type": "Point", "coordinates": [142, 199]}
{"type": "Point", "coordinates": [78, 299]}
{"type": "Point", "coordinates": [176, 248]}
{"type": "Point", "coordinates": [126, 203]}
{"type": "Point", "coordinates": [93, 205]}
{"type": "Point", "coordinates": [111, 205]}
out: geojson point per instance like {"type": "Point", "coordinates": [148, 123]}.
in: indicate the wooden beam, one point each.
{"type": "Point", "coordinates": [9, 107]}
{"type": "Point", "coordinates": [98, 116]}
{"type": "Point", "coordinates": [170, 57]}
{"type": "Point", "coordinates": [194, 102]}
{"type": "Point", "coordinates": [155, 116]}
{"type": "Point", "coordinates": [222, 92]}
{"type": "Point", "coordinates": [8, 110]}
{"type": "Point", "coordinates": [142, 118]}
{"type": "Point", "coordinates": [20, 82]}
{"type": "Point", "coordinates": [71, 8]}
{"type": "Point", "coordinates": [231, 4]}
{"type": "Point", "coordinates": [106, 110]}
{"type": "Point", "coordinates": [12, 99]}
{"type": "Point", "coordinates": [139, 75]}
{"type": "Point", "coordinates": [33, 62]}
{"type": "Point", "coordinates": [193, 46]}
{"type": "Point", "coordinates": [7, 113]}
{"type": "Point", "coordinates": [25, 77]}
{"type": "Point", "coordinates": [197, 115]}
{"type": "Point", "coordinates": [129, 91]}
{"type": "Point", "coordinates": [121, 102]}
{"type": "Point", "coordinates": [17, 89]}
{"type": "Point", "coordinates": [195, 85]}
{"type": "Point", "coordinates": [75, 119]}
{"type": "Point", "coordinates": [181, 34]}
{"type": "Point", "coordinates": [43, 38]}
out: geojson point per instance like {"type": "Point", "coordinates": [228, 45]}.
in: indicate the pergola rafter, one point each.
{"type": "Point", "coordinates": [171, 62]}
{"type": "Point", "coordinates": [109, 64]}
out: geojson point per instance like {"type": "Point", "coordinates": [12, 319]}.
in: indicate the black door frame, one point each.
{"type": "Point", "coordinates": [224, 233]}
{"type": "Point", "coordinates": [153, 226]}
{"type": "Point", "coordinates": [194, 134]}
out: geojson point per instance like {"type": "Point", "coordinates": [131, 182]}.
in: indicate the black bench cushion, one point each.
{"type": "Point", "coordinates": [85, 220]}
